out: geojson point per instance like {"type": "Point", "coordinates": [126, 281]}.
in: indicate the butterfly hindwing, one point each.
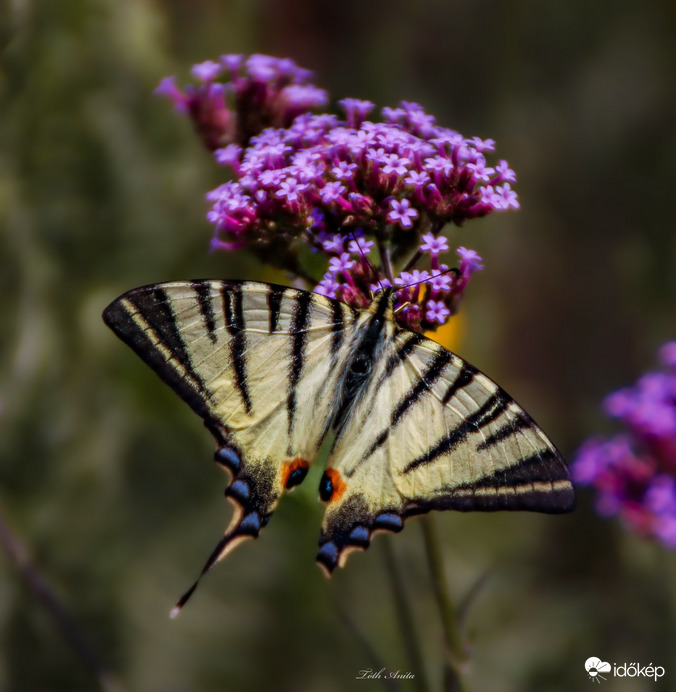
{"type": "Point", "coordinates": [255, 361]}
{"type": "Point", "coordinates": [432, 432]}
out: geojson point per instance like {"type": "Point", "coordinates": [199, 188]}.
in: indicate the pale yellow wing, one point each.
{"type": "Point", "coordinates": [255, 361]}
{"type": "Point", "coordinates": [432, 432]}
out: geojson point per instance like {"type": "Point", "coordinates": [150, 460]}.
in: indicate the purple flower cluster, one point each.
{"type": "Point", "coordinates": [635, 473]}
{"type": "Point", "coordinates": [261, 92]}
{"type": "Point", "coordinates": [321, 174]}
{"type": "Point", "coordinates": [342, 187]}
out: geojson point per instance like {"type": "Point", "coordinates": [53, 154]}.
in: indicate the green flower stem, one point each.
{"type": "Point", "coordinates": [455, 655]}
{"type": "Point", "coordinates": [413, 261]}
{"type": "Point", "coordinates": [385, 259]}
{"type": "Point", "coordinates": [405, 615]}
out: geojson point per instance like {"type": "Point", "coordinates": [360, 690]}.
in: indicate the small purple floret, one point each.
{"type": "Point", "coordinates": [437, 311]}
{"type": "Point", "coordinates": [207, 71]}
{"type": "Point", "coordinates": [470, 261]}
{"type": "Point", "coordinates": [434, 244]}
{"type": "Point", "coordinates": [401, 213]}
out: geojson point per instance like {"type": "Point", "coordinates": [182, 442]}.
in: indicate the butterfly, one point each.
{"type": "Point", "coordinates": [272, 370]}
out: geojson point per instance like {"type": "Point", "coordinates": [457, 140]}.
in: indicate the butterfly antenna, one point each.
{"type": "Point", "coordinates": [365, 258]}
{"type": "Point", "coordinates": [452, 270]}
{"type": "Point", "coordinates": [385, 258]}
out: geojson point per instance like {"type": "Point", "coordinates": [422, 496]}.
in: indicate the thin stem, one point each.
{"type": "Point", "coordinates": [385, 258]}
{"type": "Point", "coordinates": [455, 655]}
{"type": "Point", "coordinates": [468, 599]}
{"type": "Point", "coordinates": [17, 554]}
{"type": "Point", "coordinates": [412, 262]}
{"type": "Point", "coordinates": [405, 615]}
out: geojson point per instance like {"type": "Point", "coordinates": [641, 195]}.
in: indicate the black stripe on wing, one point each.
{"type": "Point", "coordinates": [465, 377]}
{"type": "Point", "coordinates": [204, 299]}
{"type": "Point", "coordinates": [424, 384]}
{"type": "Point", "coordinates": [493, 407]}
{"type": "Point", "coordinates": [427, 380]}
{"type": "Point", "coordinates": [299, 323]}
{"type": "Point", "coordinates": [274, 301]}
{"type": "Point", "coordinates": [337, 329]}
{"type": "Point", "coordinates": [144, 320]}
{"type": "Point", "coordinates": [520, 421]}
{"type": "Point", "coordinates": [537, 483]}
{"type": "Point", "coordinates": [234, 323]}
{"type": "Point", "coordinates": [400, 355]}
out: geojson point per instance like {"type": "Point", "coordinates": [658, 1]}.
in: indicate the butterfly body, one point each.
{"type": "Point", "coordinates": [271, 369]}
{"type": "Point", "coordinates": [372, 330]}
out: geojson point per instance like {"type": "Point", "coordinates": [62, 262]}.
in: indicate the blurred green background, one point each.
{"type": "Point", "coordinates": [106, 475]}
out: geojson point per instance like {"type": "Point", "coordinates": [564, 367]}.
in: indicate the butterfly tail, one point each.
{"type": "Point", "coordinates": [242, 527]}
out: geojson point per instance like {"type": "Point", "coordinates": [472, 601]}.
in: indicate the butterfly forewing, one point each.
{"type": "Point", "coordinates": [254, 360]}
{"type": "Point", "coordinates": [432, 432]}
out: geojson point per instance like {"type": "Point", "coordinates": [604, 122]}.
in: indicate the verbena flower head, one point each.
{"type": "Point", "coordinates": [367, 194]}
{"type": "Point", "coordinates": [634, 473]}
{"type": "Point", "coordinates": [237, 98]}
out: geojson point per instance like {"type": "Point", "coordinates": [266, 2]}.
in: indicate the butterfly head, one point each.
{"type": "Point", "coordinates": [382, 305]}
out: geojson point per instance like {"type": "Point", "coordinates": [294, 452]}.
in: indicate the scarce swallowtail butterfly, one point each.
{"type": "Point", "coordinates": [272, 369]}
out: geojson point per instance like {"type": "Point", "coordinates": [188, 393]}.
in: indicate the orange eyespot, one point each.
{"type": "Point", "coordinates": [332, 486]}
{"type": "Point", "coordinates": [294, 472]}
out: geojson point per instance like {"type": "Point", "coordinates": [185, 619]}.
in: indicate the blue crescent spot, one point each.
{"type": "Point", "coordinates": [359, 534]}
{"type": "Point", "coordinates": [329, 552]}
{"type": "Point", "coordinates": [228, 456]}
{"type": "Point", "coordinates": [240, 490]}
{"type": "Point", "coordinates": [252, 522]}
{"type": "Point", "coordinates": [388, 521]}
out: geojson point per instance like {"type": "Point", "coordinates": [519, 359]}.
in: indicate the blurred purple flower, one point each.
{"type": "Point", "coordinates": [262, 91]}
{"type": "Point", "coordinates": [207, 71]}
{"type": "Point", "coordinates": [167, 88]}
{"type": "Point", "coordinates": [634, 473]}
{"type": "Point", "coordinates": [360, 246]}
{"type": "Point", "coordinates": [328, 286]}
{"type": "Point", "coordinates": [505, 172]}
{"type": "Point", "coordinates": [334, 244]}
{"type": "Point", "coordinates": [356, 110]}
